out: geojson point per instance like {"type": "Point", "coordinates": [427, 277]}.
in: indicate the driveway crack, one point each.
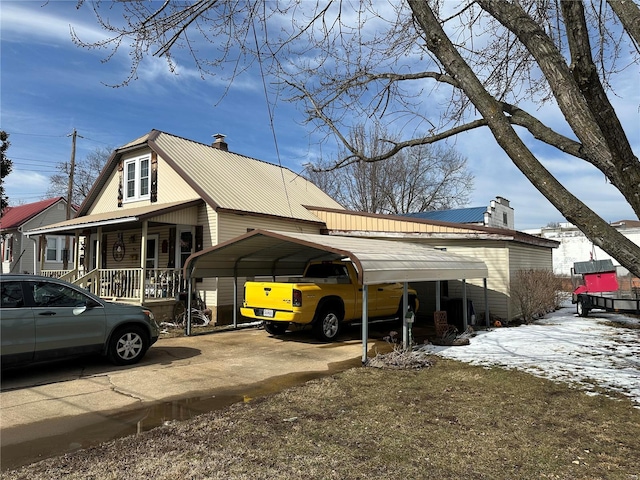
{"type": "Point", "coordinates": [116, 389]}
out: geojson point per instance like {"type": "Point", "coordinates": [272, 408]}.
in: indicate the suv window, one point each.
{"type": "Point", "coordinates": [11, 295]}
{"type": "Point", "coordinates": [53, 295]}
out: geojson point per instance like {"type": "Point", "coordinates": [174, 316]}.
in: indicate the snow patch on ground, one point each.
{"type": "Point", "coordinates": [563, 347]}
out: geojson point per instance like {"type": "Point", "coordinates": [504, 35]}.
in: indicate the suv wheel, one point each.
{"type": "Point", "coordinates": [127, 345]}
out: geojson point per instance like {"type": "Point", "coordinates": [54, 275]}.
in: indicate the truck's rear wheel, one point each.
{"type": "Point", "coordinates": [276, 328]}
{"type": "Point", "coordinates": [328, 324]}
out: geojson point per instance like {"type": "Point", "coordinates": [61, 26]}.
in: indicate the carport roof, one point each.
{"type": "Point", "coordinates": [264, 252]}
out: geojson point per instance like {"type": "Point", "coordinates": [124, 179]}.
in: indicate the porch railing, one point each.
{"type": "Point", "coordinates": [125, 283]}
{"type": "Point", "coordinates": [163, 282]}
{"type": "Point", "coordinates": [55, 273]}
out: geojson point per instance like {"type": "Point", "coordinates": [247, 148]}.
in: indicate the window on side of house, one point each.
{"type": "Point", "coordinates": [7, 248]}
{"type": "Point", "coordinates": [137, 178]}
{"type": "Point", "coordinates": [56, 249]}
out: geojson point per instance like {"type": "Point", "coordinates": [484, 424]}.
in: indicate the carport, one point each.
{"type": "Point", "coordinates": [270, 253]}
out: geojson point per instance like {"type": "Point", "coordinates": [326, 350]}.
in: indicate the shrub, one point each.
{"type": "Point", "coordinates": [536, 292]}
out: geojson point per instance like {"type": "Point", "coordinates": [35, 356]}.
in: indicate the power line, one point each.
{"type": "Point", "coordinates": [35, 160]}
{"type": "Point", "coordinates": [36, 134]}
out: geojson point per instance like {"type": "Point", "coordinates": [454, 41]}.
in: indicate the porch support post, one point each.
{"type": "Point", "coordinates": [99, 249]}
{"type": "Point", "coordinates": [76, 253]}
{"type": "Point", "coordinates": [143, 259]}
{"type": "Point", "coordinates": [465, 320]}
{"type": "Point", "coordinates": [438, 295]}
{"type": "Point", "coordinates": [487, 320]}
{"type": "Point", "coordinates": [365, 322]}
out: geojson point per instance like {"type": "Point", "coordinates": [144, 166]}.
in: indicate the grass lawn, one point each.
{"type": "Point", "coordinates": [449, 421]}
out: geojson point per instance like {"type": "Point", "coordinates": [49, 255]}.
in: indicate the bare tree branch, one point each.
{"type": "Point", "coordinates": [610, 240]}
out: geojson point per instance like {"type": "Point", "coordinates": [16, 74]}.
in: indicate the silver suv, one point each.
{"type": "Point", "coordinates": [44, 318]}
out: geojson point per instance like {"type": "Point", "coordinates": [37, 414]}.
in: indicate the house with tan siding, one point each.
{"type": "Point", "coordinates": [161, 198]}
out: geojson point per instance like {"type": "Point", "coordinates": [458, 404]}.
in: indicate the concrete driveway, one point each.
{"type": "Point", "coordinates": [46, 404]}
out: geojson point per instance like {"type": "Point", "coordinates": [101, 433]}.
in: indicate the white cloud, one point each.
{"type": "Point", "coordinates": [25, 186]}
{"type": "Point", "coordinates": [21, 20]}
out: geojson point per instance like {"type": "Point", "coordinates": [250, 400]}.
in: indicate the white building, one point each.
{"type": "Point", "coordinates": [576, 247]}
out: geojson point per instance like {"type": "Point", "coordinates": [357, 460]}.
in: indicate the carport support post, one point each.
{"type": "Point", "coordinates": [486, 302]}
{"type": "Point", "coordinates": [189, 286]}
{"type": "Point", "coordinates": [438, 295]}
{"type": "Point", "coordinates": [235, 301]}
{"type": "Point", "coordinates": [465, 319]}
{"type": "Point", "coordinates": [365, 322]}
{"type": "Point", "coordinates": [405, 325]}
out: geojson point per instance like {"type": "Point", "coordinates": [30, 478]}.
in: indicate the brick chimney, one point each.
{"type": "Point", "coordinates": [219, 142]}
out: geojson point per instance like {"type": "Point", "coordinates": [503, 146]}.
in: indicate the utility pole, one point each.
{"type": "Point", "coordinates": [72, 166]}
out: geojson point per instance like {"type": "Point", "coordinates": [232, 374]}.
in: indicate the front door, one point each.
{"type": "Point", "coordinates": [151, 262]}
{"type": "Point", "coordinates": [152, 275]}
{"type": "Point", "coordinates": [185, 246]}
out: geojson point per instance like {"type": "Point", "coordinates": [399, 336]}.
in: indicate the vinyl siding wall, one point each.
{"type": "Point", "coordinates": [233, 225]}
{"type": "Point", "coordinates": [54, 214]}
{"type": "Point", "coordinates": [524, 257]}
{"type": "Point", "coordinates": [171, 188]}
{"type": "Point", "coordinates": [208, 288]}
{"type": "Point", "coordinates": [495, 255]}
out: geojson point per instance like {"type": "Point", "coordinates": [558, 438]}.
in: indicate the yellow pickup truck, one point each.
{"type": "Point", "coordinates": [327, 295]}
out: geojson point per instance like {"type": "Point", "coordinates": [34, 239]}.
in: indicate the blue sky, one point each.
{"type": "Point", "coordinates": [48, 87]}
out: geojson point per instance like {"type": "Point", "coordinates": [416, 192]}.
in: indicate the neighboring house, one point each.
{"type": "Point", "coordinates": [20, 254]}
{"type": "Point", "coordinates": [503, 251]}
{"type": "Point", "coordinates": [161, 198]}
{"type": "Point", "coordinates": [576, 247]}
{"type": "Point", "coordinates": [499, 214]}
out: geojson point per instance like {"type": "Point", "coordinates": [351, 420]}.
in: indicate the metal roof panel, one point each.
{"type": "Point", "coordinates": [236, 182]}
{"type": "Point", "coordinates": [458, 215]}
{"type": "Point", "coordinates": [264, 252]}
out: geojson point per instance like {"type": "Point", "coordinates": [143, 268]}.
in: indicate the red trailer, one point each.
{"type": "Point", "coordinates": [596, 287]}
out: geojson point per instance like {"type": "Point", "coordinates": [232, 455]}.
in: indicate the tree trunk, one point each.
{"type": "Point", "coordinates": [576, 212]}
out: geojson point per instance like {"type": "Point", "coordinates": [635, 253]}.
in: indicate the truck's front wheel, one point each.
{"type": "Point", "coordinates": [327, 325]}
{"type": "Point", "coordinates": [276, 328]}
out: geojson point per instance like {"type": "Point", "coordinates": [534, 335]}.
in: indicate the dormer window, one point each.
{"type": "Point", "coordinates": [136, 178]}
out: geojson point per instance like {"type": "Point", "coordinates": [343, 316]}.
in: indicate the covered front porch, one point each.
{"type": "Point", "coordinates": [132, 256]}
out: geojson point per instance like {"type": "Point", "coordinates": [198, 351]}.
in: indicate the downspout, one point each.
{"type": "Point", "coordinates": [35, 253]}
